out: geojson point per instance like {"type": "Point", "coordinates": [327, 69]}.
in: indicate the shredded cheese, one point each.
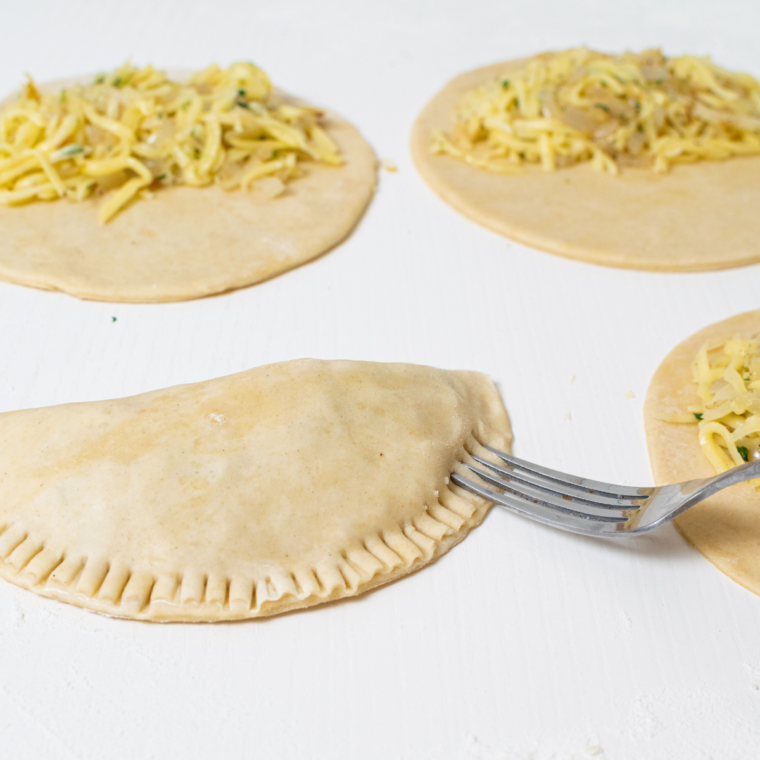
{"type": "Point", "coordinates": [641, 110]}
{"type": "Point", "coordinates": [728, 412]}
{"type": "Point", "coordinates": [134, 130]}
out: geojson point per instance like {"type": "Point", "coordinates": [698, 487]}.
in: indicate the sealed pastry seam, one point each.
{"type": "Point", "coordinates": [113, 588]}
{"type": "Point", "coordinates": [362, 547]}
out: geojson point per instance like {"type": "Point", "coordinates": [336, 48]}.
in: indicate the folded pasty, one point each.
{"type": "Point", "coordinates": [276, 488]}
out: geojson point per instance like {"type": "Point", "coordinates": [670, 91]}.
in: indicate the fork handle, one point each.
{"type": "Point", "coordinates": [703, 489]}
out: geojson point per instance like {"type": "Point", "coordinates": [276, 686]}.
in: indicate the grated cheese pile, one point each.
{"type": "Point", "coordinates": [134, 131]}
{"type": "Point", "coordinates": [642, 110]}
{"type": "Point", "coordinates": [728, 412]}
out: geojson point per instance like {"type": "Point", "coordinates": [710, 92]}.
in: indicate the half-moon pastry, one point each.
{"type": "Point", "coordinates": [272, 489]}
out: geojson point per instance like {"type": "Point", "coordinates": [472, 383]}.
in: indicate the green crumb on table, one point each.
{"type": "Point", "coordinates": [113, 319]}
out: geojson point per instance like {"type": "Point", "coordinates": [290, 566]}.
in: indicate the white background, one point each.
{"type": "Point", "coordinates": [523, 643]}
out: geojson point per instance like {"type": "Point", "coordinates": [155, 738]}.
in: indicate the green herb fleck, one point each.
{"type": "Point", "coordinates": [113, 319]}
{"type": "Point", "coordinates": [62, 96]}
{"type": "Point", "coordinates": [242, 104]}
{"type": "Point", "coordinates": [67, 152]}
{"type": "Point", "coordinates": [118, 82]}
{"type": "Point", "coordinates": [161, 177]}
{"type": "Point", "coordinates": [159, 116]}
{"type": "Point", "coordinates": [640, 127]}
{"type": "Point", "coordinates": [743, 453]}
{"type": "Point", "coordinates": [698, 416]}
{"type": "Point", "coordinates": [100, 79]}
{"type": "Point", "coordinates": [241, 93]}
{"type": "Point", "coordinates": [659, 81]}
{"type": "Point", "coordinates": [505, 83]}
{"type": "Point", "coordinates": [602, 106]}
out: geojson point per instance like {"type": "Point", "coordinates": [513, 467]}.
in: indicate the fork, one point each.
{"type": "Point", "coordinates": [590, 507]}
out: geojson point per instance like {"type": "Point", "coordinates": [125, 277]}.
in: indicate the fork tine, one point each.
{"type": "Point", "coordinates": [553, 501]}
{"type": "Point", "coordinates": [584, 485]}
{"type": "Point", "coordinates": [569, 519]}
{"type": "Point", "coordinates": [548, 489]}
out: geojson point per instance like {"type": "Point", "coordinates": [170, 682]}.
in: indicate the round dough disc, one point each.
{"type": "Point", "coordinates": [187, 242]}
{"type": "Point", "coordinates": [698, 217]}
{"type": "Point", "coordinates": [726, 527]}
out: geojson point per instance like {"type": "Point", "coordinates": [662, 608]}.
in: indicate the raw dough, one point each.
{"type": "Point", "coordinates": [276, 488]}
{"type": "Point", "coordinates": [698, 217]}
{"type": "Point", "coordinates": [187, 242]}
{"type": "Point", "coordinates": [726, 527]}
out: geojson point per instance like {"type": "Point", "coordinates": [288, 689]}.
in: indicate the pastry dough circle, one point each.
{"type": "Point", "coordinates": [725, 528]}
{"type": "Point", "coordinates": [244, 496]}
{"type": "Point", "coordinates": [698, 217]}
{"type": "Point", "coordinates": [187, 242]}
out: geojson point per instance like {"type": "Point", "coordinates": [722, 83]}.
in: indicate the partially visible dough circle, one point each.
{"type": "Point", "coordinates": [698, 217]}
{"type": "Point", "coordinates": [187, 242]}
{"type": "Point", "coordinates": [725, 528]}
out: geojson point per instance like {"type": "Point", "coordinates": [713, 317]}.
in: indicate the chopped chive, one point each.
{"type": "Point", "coordinates": [743, 453]}
{"type": "Point", "coordinates": [67, 152]}
{"type": "Point", "coordinates": [242, 104]}
{"type": "Point", "coordinates": [602, 106]}
{"type": "Point", "coordinates": [698, 416]}
{"type": "Point", "coordinates": [505, 83]}
{"type": "Point", "coordinates": [100, 79]}
{"type": "Point", "coordinates": [241, 93]}
{"type": "Point", "coordinates": [118, 82]}
{"type": "Point", "coordinates": [640, 127]}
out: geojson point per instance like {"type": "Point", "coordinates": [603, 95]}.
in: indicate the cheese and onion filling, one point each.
{"type": "Point", "coordinates": [134, 131]}
{"type": "Point", "coordinates": [642, 110]}
{"type": "Point", "coordinates": [728, 413]}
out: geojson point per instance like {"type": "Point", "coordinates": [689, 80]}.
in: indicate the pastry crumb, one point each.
{"type": "Point", "coordinates": [594, 750]}
{"type": "Point", "coordinates": [569, 417]}
{"type": "Point", "coordinates": [572, 380]}
{"type": "Point", "coordinates": [220, 418]}
{"type": "Point", "coordinates": [389, 166]}
{"type": "Point", "coordinates": [753, 686]}
{"type": "Point", "coordinates": [630, 394]}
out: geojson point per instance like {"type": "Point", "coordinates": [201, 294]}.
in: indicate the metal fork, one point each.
{"type": "Point", "coordinates": [588, 506]}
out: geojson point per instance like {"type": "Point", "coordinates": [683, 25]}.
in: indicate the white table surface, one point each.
{"type": "Point", "coordinates": [521, 644]}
